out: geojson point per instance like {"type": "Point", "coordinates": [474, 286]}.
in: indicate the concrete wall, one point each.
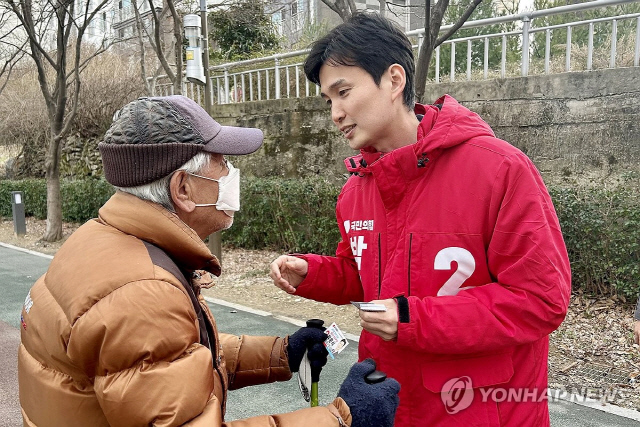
{"type": "Point", "coordinates": [571, 124]}
{"type": "Point", "coordinates": [568, 124]}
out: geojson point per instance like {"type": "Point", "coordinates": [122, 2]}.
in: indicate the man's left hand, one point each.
{"type": "Point", "coordinates": [311, 340]}
{"type": "Point", "coordinates": [382, 323]}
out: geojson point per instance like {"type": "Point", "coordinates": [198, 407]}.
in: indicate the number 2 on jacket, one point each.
{"type": "Point", "coordinates": [466, 267]}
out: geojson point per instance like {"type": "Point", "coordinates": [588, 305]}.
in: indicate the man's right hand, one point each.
{"type": "Point", "coordinates": [288, 272]}
{"type": "Point", "coordinates": [636, 331]}
{"type": "Point", "coordinates": [370, 404]}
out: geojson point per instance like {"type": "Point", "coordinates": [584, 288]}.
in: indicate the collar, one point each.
{"type": "Point", "coordinates": [152, 223]}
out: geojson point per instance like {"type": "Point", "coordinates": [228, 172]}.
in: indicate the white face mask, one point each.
{"type": "Point", "coordinates": [228, 191]}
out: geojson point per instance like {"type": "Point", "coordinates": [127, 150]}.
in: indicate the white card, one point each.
{"type": "Point", "coordinates": [369, 306]}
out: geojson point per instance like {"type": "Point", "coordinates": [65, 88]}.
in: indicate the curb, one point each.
{"type": "Point", "coordinates": [30, 252]}
{"type": "Point", "coordinates": [296, 322]}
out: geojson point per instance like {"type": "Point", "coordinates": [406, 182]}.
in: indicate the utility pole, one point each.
{"type": "Point", "coordinates": [205, 55]}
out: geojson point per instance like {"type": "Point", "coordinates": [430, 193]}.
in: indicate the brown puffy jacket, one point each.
{"type": "Point", "coordinates": [111, 334]}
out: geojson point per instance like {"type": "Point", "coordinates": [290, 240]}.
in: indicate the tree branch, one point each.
{"type": "Point", "coordinates": [333, 7]}
{"type": "Point", "coordinates": [467, 13]}
{"type": "Point", "coordinates": [158, 43]}
{"type": "Point", "coordinates": [80, 65]}
{"type": "Point", "coordinates": [26, 19]}
{"type": "Point", "coordinates": [139, 29]}
{"type": "Point", "coordinates": [11, 63]}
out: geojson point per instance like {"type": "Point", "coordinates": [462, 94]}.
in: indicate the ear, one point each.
{"type": "Point", "coordinates": [181, 191]}
{"type": "Point", "coordinates": [398, 78]}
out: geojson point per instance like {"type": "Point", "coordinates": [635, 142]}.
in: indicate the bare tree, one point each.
{"type": "Point", "coordinates": [167, 53]}
{"type": "Point", "coordinates": [142, 33]}
{"type": "Point", "coordinates": [432, 23]}
{"type": "Point", "coordinates": [344, 8]}
{"type": "Point", "coordinates": [59, 80]}
{"type": "Point", "coordinates": [11, 46]}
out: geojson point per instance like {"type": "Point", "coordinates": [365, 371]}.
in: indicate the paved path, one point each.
{"type": "Point", "coordinates": [19, 269]}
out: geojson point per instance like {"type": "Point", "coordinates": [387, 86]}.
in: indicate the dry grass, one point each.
{"type": "Point", "coordinates": [7, 152]}
{"type": "Point", "coordinates": [109, 81]}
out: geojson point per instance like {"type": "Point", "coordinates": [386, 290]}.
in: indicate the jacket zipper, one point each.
{"type": "Point", "coordinates": [409, 266]}
{"type": "Point", "coordinates": [379, 267]}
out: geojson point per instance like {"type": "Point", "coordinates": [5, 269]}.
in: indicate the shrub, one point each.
{"type": "Point", "coordinates": [601, 228]}
{"type": "Point", "coordinates": [81, 199]}
{"type": "Point", "coordinates": [34, 197]}
{"type": "Point", "coordinates": [294, 215]}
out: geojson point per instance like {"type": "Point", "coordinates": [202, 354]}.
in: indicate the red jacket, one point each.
{"type": "Point", "coordinates": [461, 224]}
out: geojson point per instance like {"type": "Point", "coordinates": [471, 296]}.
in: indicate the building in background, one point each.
{"type": "Point", "coordinates": [124, 22]}
{"type": "Point", "coordinates": [296, 18]}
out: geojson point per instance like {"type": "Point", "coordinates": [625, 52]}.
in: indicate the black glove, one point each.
{"type": "Point", "coordinates": [370, 404]}
{"type": "Point", "coordinates": [310, 339]}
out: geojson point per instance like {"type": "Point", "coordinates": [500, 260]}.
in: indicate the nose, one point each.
{"type": "Point", "coordinates": [337, 113]}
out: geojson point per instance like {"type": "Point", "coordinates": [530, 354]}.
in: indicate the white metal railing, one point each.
{"type": "Point", "coordinates": [281, 76]}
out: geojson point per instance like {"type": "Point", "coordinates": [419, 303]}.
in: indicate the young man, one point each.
{"type": "Point", "coordinates": [116, 333]}
{"type": "Point", "coordinates": [449, 227]}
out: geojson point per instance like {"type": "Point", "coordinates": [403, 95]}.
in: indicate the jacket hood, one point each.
{"type": "Point", "coordinates": [154, 224]}
{"type": "Point", "coordinates": [444, 124]}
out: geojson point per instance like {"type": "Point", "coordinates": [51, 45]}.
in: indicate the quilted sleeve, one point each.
{"type": "Point", "coordinates": [253, 360]}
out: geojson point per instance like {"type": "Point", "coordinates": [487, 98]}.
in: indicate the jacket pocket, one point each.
{"type": "Point", "coordinates": [461, 385]}
{"type": "Point", "coordinates": [482, 371]}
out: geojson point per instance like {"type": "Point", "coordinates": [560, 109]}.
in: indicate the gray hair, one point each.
{"type": "Point", "coordinates": [158, 190]}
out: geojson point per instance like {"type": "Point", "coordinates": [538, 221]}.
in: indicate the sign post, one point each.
{"type": "Point", "coordinates": [17, 207]}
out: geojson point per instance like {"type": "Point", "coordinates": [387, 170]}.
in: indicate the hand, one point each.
{"type": "Point", "coordinates": [636, 332]}
{"type": "Point", "coordinates": [288, 272]}
{"type": "Point", "coordinates": [382, 323]}
{"type": "Point", "coordinates": [310, 340]}
{"type": "Point", "coordinates": [370, 404]}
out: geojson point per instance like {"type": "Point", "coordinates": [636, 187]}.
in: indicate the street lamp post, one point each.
{"type": "Point", "coordinates": [195, 30]}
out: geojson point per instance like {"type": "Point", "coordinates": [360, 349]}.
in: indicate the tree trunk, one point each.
{"type": "Point", "coordinates": [422, 70]}
{"type": "Point", "coordinates": [53, 231]}
{"type": "Point", "coordinates": [177, 34]}
{"type": "Point", "coordinates": [424, 55]}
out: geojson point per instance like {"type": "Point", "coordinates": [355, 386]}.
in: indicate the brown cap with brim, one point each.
{"type": "Point", "coordinates": [152, 137]}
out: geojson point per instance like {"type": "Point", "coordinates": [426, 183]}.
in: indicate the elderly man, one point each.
{"type": "Point", "coordinates": [117, 333]}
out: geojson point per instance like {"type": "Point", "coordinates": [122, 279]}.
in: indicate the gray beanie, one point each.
{"type": "Point", "coordinates": [152, 137]}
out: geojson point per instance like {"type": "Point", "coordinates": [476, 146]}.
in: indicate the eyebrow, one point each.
{"type": "Point", "coordinates": [334, 85]}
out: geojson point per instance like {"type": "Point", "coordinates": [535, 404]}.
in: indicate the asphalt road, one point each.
{"type": "Point", "coordinates": [18, 271]}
